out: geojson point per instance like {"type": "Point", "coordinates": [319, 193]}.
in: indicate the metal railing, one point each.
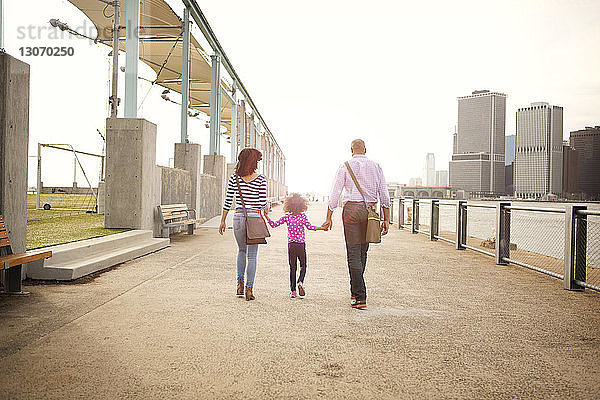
{"type": "Point", "coordinates": [562, 243]}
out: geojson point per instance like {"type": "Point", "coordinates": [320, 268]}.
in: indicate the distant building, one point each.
{"type": "Point", "coordinates": [510, 144]}
{"type": "Point", "coordinates": [587, 143]}
{"type": "Point", "coordinates": [429, 170]}
{"type": "Point", "coordinates": [509, 179]}
{"type": "Point", "coordinates": [441, 178]}
{"type": "Point", "coordinates": [570, 172]}
{"type": "Point", "coordinates": [477, 164]}
{"type": "Point", "coordinates": [415, 182]}
{"type": "Point", "coordinates": [538, 161]}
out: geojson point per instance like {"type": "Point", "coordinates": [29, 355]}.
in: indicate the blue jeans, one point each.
{"type": "Point", "coordinates": [247, 254]}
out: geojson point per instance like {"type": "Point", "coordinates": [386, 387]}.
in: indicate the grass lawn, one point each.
{"type": "Point", "coordinates": [48, 228]}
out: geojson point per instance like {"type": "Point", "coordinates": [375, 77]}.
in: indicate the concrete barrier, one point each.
{"type": "Point", "coordinates": [133, 181]}
{"type": "Point", "coordinates": [14, 142]}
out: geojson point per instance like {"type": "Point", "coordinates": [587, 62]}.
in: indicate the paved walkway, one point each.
{"type": "Point", "coordinates": [440, 324]}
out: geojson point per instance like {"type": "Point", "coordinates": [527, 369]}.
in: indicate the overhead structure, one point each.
{"type": "Point", "coordinates": [166, 45]}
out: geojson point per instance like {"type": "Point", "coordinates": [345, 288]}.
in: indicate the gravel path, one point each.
{"type": "Point", "coordinates": [441, 323]}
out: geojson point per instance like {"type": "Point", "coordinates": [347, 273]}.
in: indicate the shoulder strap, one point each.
{"type": "Point", "coordinates": [355, 181]}
{"type": "Point", "coordinates": [237, 180]}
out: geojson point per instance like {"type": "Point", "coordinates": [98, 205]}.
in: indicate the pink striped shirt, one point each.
{"type": "Point", "coordinates": [295, 225]}
{"type": "Point", "coordinates": [371, 179]}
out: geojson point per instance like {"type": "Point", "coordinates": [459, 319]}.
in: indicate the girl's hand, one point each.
{"type": "Point", "coordinates": [266, 213]}
{"type": "Point", "coordinates": [222, 227]}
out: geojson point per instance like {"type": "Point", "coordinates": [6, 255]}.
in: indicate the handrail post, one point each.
{"type": "Point", "coordinates": [461, 224]}
{"type": "Point", "coordinates": [502, 244]}
{"type": "Point", "coordinates": [434, 220]}
{"type": "Point", "coordinates": [575, 247]}
{"type": "Point", "coordinates": [415, 216]}
{"type": "Point", "coordinates": [400, 213]}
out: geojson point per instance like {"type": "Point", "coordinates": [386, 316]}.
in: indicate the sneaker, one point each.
{"type": "Point", "coordinates": [301, 291]}
{"type": "Point", "coordinates": [360, 305]}
{"type": "Point", "coordinates": [293, 295]}
{"type": "Point", "coordinates": [352, 300]}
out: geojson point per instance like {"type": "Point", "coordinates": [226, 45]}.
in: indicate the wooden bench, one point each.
{"type": "Point", "coordinates": [172, 215]}
{"type": "Point", "coordinates": [11, 264]}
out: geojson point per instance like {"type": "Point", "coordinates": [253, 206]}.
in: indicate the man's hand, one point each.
{"type": "Point", "coordinates": [327, 225]}
{"type": "Point", "coordinates": [385, 227]}
{"type": "Point", "coordinates": [222, 227]}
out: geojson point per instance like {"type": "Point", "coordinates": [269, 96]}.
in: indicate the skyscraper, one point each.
{"type": "Point", "coordinates": [587, 143]}
{"type": "Point", "coordinates": [441, 178]}
{"type": "Point", "coordinates": [538, 161]}
{"type": "Point", "coordinates": [429, 170]}
{"type": "Point", "coordinates": [477, 164]}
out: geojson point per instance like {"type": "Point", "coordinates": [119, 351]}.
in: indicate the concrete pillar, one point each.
{"type": "Point", "coordinates": [215, 165]}
{"type": "Point", "coordinates": [188, 156]}
{"type": "Point", "coordinates": [14, 141]}
{"type": "Point", "coordinates": [132, 55]}
{"type": "Point", "coordinates": [133, 181]}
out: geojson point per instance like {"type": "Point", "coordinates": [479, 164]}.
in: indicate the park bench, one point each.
{"type": "Point", "coordinates": [173, 215]}
{"type": "Point", "coordinates": [11, 264]}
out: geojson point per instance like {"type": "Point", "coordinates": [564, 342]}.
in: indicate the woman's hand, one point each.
{"type": "Point", "coordinates": [222, 227]}
{"type": "Point", "coordinates": [266, 213]}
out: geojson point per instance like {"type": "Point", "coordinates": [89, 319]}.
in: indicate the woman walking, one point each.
{"type": "Point", "coordinates": [253, 188]}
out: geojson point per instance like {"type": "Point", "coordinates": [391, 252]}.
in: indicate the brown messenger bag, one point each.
{"type": "Point", "coordinates": [256, 227]}
{"type": "Point", "coordinates": [374, 221]}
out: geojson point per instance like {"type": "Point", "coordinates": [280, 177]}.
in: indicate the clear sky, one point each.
{"type": "Point", "coordinates": [325, 72]}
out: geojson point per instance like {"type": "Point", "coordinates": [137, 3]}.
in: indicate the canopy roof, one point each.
{"type": "Point", "coordinates": [161, 48]}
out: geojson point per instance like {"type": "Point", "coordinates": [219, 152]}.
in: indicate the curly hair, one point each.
{"type": "Point", "coordinates": [247, 161]}
{"type": "Point", "coordinates": [295, 204]}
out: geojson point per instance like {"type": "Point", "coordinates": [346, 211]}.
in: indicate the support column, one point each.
{"type": "Point", "coordinates": [575, 247]}
{"type": "Point", "coordinates": [434, 219]}
{"type": "Point", "coordinates": [502, 233]}
{"type": "Point", "coordinates": [252, 132]}
{"type": "Point", "coordinates": [216, 165]}
{"type": "Point", "coordinates": [133, 181]}
{"type": "Point", "coordinates": [234, 126]}
{"type": "Point", "coordinates": [14, 142]}
{"type": "Point", "coordinates": [461, 224]}
{"type": "Point", "coordinates": [188, 156]}
{"type": "Point", "coordinates": [243, 132]}
{"type": "Point", "coordinates": [415, 216]}
{"type": "Point", "coordinates": [132, 55]}
{"type": "Point", "coordinates": [400, 213]}
{"type": "Point", "coordinates": [185, 75]}
{"type": "Point", "coordinates": [215, 105]}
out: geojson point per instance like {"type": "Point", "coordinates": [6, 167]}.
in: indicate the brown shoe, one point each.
{"type": "Point", "coordinates": [240, 288]}
{"type": "Point", "coordinates": [249, 295]}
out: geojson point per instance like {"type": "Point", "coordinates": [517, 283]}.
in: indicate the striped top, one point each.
{"type": "Point", "coordinates": [254, 192]}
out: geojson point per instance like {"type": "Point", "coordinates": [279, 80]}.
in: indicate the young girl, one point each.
{"type": "Point", "coordinates": [296, 221]}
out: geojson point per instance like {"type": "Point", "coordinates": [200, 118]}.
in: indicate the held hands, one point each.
{"type": "Point", "coordinates": [327, 225]}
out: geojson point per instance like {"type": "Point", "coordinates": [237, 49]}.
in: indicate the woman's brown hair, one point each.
{"type": "Point", "coordinates": [247, 161]}
{"type": "Point", "coordinates": [295, 204]}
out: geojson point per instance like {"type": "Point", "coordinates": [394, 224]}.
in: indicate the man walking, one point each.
{"type": "Point", "coordinates": [355, 215]}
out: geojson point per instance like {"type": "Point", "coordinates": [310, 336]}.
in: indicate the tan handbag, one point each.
{"type": "Point", "coordinates": [373, 221]}
{"type": "Point", "coordinates": [256, 227]}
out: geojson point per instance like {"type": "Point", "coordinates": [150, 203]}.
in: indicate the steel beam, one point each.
{"type": "Point", "coordinates": [434, 219]}
{"type": "Point", "coordinates": [234, 130]}
{"type": "Point", "coordinates": [252, 131]}
{"type": "Point", "coordinates": [114, 94]}
{"type": "Point", "coordinates": [215, 104]}
{"type": "Point", "coordinates": [1, 25]}
{"type": "Point", "coordinates": [185, 76]}
{"type": "Point", "coordinates": [132, 54]}
{"type": "Point", "coordinates": [415, 216]}
{"type": "Point", "coordinates": [242, 124]}
{"type": "Point", "coordinates": [461, 224]}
